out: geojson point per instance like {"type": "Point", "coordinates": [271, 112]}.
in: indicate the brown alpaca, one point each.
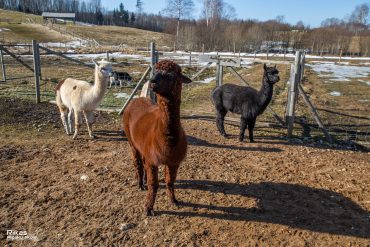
{"type": "Point", "coordinates": [154, 132]}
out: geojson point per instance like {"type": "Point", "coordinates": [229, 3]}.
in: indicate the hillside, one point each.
{"type": "Point", "coordinates": [17, 27]}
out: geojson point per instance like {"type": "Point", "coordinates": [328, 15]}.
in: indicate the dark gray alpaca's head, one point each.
{"type": "Point", "coordinates": [271, 74]}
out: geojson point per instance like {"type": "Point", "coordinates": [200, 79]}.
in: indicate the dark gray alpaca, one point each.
{"type": "Point", "coordinates": [246, 101]}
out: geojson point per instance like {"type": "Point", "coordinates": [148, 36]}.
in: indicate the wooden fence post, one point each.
{"type": "Point", "coordinates": [292, 93]}
{"type": "Point", "coordinates": [190, 59]}
{"type": "Point", "coordinates": [303, 63]}
{"type": "Point", "coordinates": [219, 73]}
{"type": "Point", "coordinates": [36, 68]}
{"type": "Point", "coordinates": [108, 56]}
{"type": "Point", "coordinates": [153, 61]}
{"type": "Point", "coordinates": [315, 114]}
{"type": "Point", "coordinates": [2, 65]}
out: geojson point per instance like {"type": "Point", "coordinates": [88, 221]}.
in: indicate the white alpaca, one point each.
{"type": "Point", "coordinates": [80, 97]}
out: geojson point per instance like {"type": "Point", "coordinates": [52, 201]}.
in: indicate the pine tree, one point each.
{"type": "Point", "coordinates": [132, 18]}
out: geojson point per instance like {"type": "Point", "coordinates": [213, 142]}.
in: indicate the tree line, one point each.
{"type": "Point", "coordinates": [217, 28]}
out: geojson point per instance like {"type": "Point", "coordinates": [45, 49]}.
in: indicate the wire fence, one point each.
{"type": "Point", "coordinates": [342, 104]}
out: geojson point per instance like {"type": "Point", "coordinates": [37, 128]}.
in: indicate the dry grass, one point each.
{"type": "Point", "coordinates": [25, 27]}
{"type": "Point", "coordinates": [25, 33]}
{"type": "Point", "coordinates": [15, 16]}
{"type": "Point", "coordinates": [112, 35]}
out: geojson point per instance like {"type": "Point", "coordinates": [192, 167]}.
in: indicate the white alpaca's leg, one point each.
{"type": "Point", "coordinates": [70, 121]}
{"type": "Point", "coordinates": [120, 83]}
{"type": "Point", "coordinates": [89, 116]}
{"type": "Point", "coordinates": [78, 120]}
{"type": "Point", "coordinates": [63, 116]}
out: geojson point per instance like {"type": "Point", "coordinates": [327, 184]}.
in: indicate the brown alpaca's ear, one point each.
{"type": "Point", "coordinates": [264, 66]}
{"type": "Point", "coordinates": [185, 79]}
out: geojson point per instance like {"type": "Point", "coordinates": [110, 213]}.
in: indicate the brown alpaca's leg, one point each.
{"type": "Point", "coordinates": [170, 176]}
{"type": "Point", "coordinates": [138, 163]}
{"type": "Point", "coordinates": [77, 123]}
{"type": "Point", "coordinates": [152, 176]}
{"type": "Point", "coordinates": [251, 123]}
{"type": "Point", "coordinates": [89, 117]}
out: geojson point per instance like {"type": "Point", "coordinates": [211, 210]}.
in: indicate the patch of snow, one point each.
{"type": "Point", "coordinates": [121, 95]}
{"type": "Point", "coordinates": [71, 44]}
{"type": "Point", "coordinates": [84, 177]}
{"type": "Point", "coordinates": [84, 24]}
{"type": "Point", "coordinates": [4, 29]}
{"type": "Point", "coordinates": [338, 72]}
{"type": "Point", "coordinates": [207, 80]}
{"type": "Point", "coordinates": [367, 82]}
{"type": "Point", "coordinates": [335, 93]}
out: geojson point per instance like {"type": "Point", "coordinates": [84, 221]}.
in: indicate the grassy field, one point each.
{"type": "Point", "coordinates": [111, 35]}
{"type": "Point", "coordinates": [20, 28]}
{"type": "Point", "coordinates": [346, 117]}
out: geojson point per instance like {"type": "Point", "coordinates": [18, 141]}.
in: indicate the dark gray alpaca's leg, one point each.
{"type": "Point", "coordinates": [251, 123]}
{"type": "Point", "coordinates": [152, 176]}
{"type": "Point", "coordinates": [243, 126]}
{"type": "Point", "coordinates": [221, 113]}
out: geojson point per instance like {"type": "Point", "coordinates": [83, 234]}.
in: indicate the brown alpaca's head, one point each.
{"type": "Point", "coordinates": [271, 74]}
{"type": "Point", "coordinates": [168, 79]}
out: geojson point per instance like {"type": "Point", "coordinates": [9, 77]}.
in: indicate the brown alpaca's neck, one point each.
{"type": "Point", "coordinates": [170, 113]}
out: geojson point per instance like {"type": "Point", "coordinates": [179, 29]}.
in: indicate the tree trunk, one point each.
{"type": "Point", "coordinates": [177, 32]}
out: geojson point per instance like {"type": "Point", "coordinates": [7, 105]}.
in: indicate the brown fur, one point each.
{"type": "Point", "coordinates": [155, 133]}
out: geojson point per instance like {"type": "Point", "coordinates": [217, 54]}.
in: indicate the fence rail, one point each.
{"type": "Point", "coordinates": [225, 63]}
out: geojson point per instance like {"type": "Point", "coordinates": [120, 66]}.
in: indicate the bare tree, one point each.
{"type": "Point", "coordinates": [179, 9]}
{"type": "Point", "coordinates": [360, 14]}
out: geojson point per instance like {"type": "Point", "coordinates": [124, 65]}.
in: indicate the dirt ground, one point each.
{"type": "Point", "coordinates": [83, 193]}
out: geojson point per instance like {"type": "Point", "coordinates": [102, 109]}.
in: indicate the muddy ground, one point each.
{"type": "Point", "coordinates": [83, 193]}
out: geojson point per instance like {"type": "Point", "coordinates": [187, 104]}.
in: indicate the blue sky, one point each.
{"type": "Point", "coordinates": [311, 12]}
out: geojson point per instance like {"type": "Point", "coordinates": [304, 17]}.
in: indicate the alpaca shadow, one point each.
{"type": "Point", "coordinates": [199, 142]}
{"type": "Point", "coordinates": [293, 205]}
{"type": "Point", "coordinates": [109, 135]}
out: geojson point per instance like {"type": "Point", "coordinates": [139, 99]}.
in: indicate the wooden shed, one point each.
{"type": "Point", "coordinates": [54, 16]}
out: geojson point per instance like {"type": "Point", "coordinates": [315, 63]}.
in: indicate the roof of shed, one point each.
{"type": "Point", "coordinates": [58, 15]}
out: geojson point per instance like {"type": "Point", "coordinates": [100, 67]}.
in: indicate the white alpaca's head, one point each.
{"type": "Point", "coordinates": [104, 67]}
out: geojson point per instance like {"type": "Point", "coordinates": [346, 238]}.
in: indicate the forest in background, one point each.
{"type": "Point", "coordinates": [217, 28]}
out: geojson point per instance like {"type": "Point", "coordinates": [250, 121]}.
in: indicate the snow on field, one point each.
{"type": "Point", "coordinates": [207, 80]}
{"type": "Point", "coordinates": [121, 95]}
{"type": "Point", "coordinates": [288, 55]}
{"type": "Point", "coordinates": [339, 72]}
{"type": "Point", "coordinates": [85, 24]}
{"type": "Point", "coordinates": [335, 93]}
{"type": "Point", "coordinates": [4, 29]}
{"type": "Point", "coordinates": [367, 82]}
{"type": "Point", "coordinates": [69, 44]}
